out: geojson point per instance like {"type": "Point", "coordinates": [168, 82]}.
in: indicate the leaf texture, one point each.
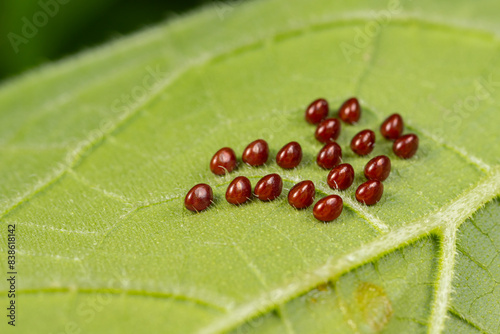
{"type": "Point", "coordinates": [99, 150]}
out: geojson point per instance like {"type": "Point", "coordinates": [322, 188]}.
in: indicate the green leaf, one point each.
{"type": "Point", "coordinates": [99, 150]}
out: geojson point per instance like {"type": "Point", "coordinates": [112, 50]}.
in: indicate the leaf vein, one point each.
{"type": "Point", "coordinates": [451, 215]}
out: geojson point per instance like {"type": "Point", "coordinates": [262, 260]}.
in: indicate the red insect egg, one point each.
{"type": "Point", "coordinates": [289, 156]}
{"type": "Point", "coordinates": [223, 161]}
{"type": "Point", "coordinates": [199, 197]}
{"type": "Point", "coordinates": [239, 190]}
{"type": "Point", "coordinates": [269, 187]}
{"type": "Point", "coordinates": [406, 146]}
{"type": "Point", "coordinates": [370, 192]}
{"type": "Point", "coordinates": [256, 153]}
{"type": "Point", "coordinates": [328, 130]}
{"type": "Point", "coordinates": [392, 127]}
{"type": "Point", "coordinates": [378, 168]}
{"type": "Point", "coordinates": [363, 142]}
{"type": "Point", "coordinates": [341, 177]}
{"type": "Point", "coordinates": [329, 156]}
{"type": "Point", "coordinates": [350, 111]}
{"type": "Point", "coordinates": [302, 195]}
{"type": "Point", "coordinates": [328, 208]}
{"type": "Point", "coordinates": [317, 111]}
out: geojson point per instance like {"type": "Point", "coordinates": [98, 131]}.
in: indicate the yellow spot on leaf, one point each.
{"type": "Point", "coordinates": [374, 305]}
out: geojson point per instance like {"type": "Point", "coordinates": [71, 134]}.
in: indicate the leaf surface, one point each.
{"type": "Point", "coordinates": [99, 150]}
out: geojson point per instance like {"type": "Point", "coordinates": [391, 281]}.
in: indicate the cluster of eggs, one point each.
{"type": "Point", "coordinates": [340, 176]}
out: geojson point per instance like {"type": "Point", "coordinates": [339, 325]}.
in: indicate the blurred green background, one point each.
{"type": "Point", "coordinates": [72, 26]}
